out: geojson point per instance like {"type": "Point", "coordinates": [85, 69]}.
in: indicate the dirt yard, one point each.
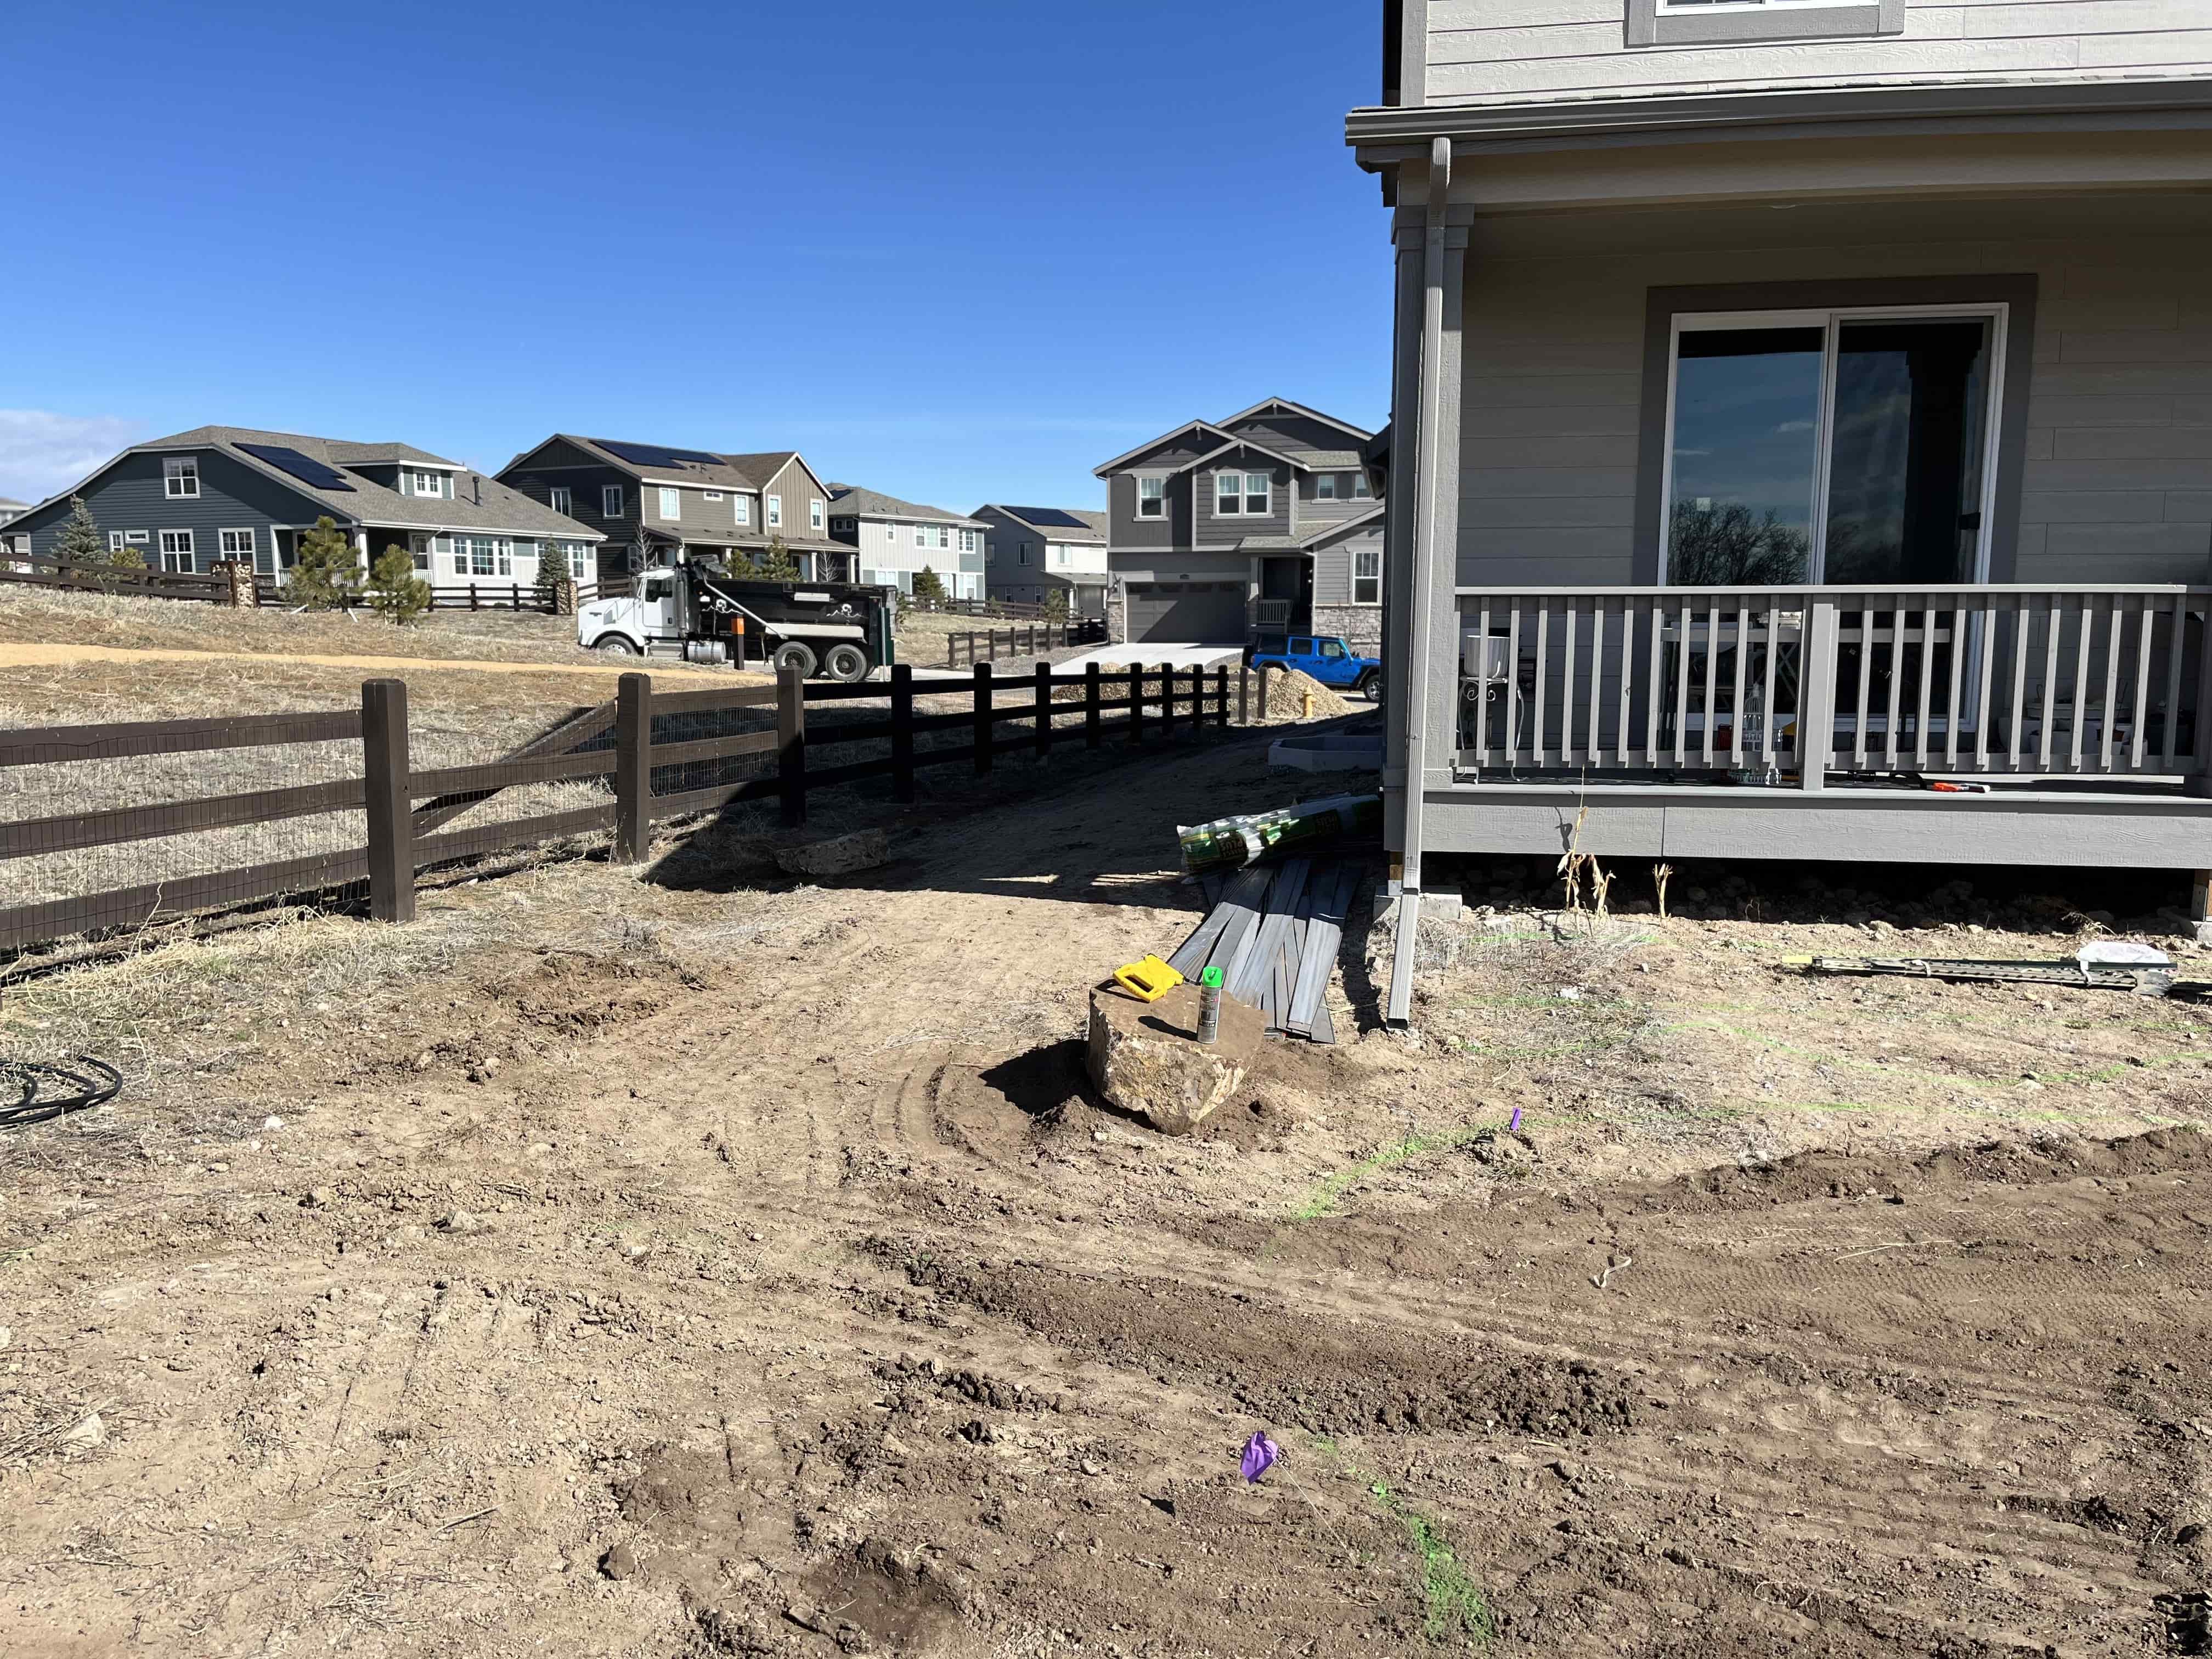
{"type": "Point", "coordinates": [700, 1264]}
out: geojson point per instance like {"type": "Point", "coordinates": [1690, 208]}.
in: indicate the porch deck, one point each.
{"type": "Point", "coordinates": [1967, 724]}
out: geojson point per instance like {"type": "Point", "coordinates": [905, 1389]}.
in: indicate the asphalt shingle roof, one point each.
{"type": "Point", "coordinates": [1095, 522]}
{"type": "Point", "coordinates": [853, 501]}
{"type": "Point", "coordinates": [480, 502]}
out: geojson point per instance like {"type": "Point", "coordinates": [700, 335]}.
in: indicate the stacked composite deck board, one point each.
{"type": "Point", "coordinates": [1274, 931]}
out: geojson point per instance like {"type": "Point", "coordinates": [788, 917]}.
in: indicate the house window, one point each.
{"type": "Point", "coordinates": [177, 551]}
{"type": "Point", "coordinates": [430, 483]}
{"type": "Point", "coordinates": [1367, 577]}
{"type": "Point", "coordinates": [1361, 491]}
{"type": "Point", "coordinates": [610, 501]}
{"type": "Point", "coordinates": [671, 504]}
{"type": "Point", "coordinates": [921, 535]}
{"type": "Point", "coordinates": [1022, 554]}
{"type": "Point", "coordinates": [235, 544]}
{"type": "Point", "coordinates": [115, 541]}
{"type": "Point", "coordinates": [713, 495]}
{"type": "Point", "coordinates": [1228, 493]}
{"type": "Point", "coordinates": [580, 559]}
{"type": "Point", "coordinates": [503, 550]}
{"type": "Point", "coordinates": [1325, 487]}
{"type": "Point", "coordinates": [1711, 22]}
{"type": "Point", "coordinates": [1152, 498]}
{"type": "Point", "coordinates": [419, 548]}
{"type": "Point", "coordinates": [814, 514]}
{"type": "Point", "coordinates": [561, 500]}
{"type": "Point", "coordinates": [775, 511]}
{"type": "Point", "coordinates": [1255, 492]}
{"type": "Point", "coordinates": [967, 541]}
{"type": "Point", "coordinates": [180, 478]}
{"type": "Point", "coordinates": [136, 537]}
{"type": "Point", "coordinates": [1852, 447]}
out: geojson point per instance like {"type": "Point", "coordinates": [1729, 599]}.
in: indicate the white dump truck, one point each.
{"type": "Point", "coordinates": [697, 611]}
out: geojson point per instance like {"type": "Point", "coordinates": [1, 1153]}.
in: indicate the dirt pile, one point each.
{"type": "Point", "coordinates": [1287, 690]}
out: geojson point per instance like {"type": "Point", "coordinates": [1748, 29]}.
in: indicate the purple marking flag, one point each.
{"type": "Point", "coordinates": [1260, 1451]}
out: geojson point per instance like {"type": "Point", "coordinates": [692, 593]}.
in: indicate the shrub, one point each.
{"type": "Point", "coordinates": [394, 589]}
{"type": "Point", "coordinates": [326, 575]}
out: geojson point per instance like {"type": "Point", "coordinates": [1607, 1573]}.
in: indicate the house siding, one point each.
{"type": "Point", "coordinates": [129, 496]}
{"type": "Point", "coordinates": [1487, 50]}
{"type": "Point", "coordinates": [1215, 529]}
{"type": "Point", "coordinates": [583, 475]}
{"type": "Point", "coordinates": [2116, 481]}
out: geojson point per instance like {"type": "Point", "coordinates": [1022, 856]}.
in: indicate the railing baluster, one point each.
{"type": "Point", "coordinates": [1681, 682]}
{"type": "Point", "coordinates": [1712, 671]}
{"type": "Point", "coordinates": [1482, 693]}
{"type": "Point", "coordinates": [1986, 670]}
{"type": "Point", "coordinates": [1572, 618]}
{"type": "Point", "coordinates": [1514, 718]}
{"type": "Point", "coordinates": [2139, 710]}
{"type": "Point", "coordinates": [2050, 678]}
{"type": "Point", "coordinates": [2115, 632]}
{"type": "Point", "coordinates": [1596, 753]}
{"type": "Point", "coordinates": [1927, 684]}
{"type": "Point", "coordinates": [1620, 737]}
{"type": "Point", "coordinates": [1740, 650]}
{"type": "Point", "coordinates": [1951, 706]}
{"type": "Point", "coordinates": [2022, 627]}
{"type": "Point", "coordinates": [1890, 719]}
{"type": "Point", "coordinates": [1543, 672]}
{"type": "Point", "coordinates": [2085, 639]}
{"type": "Point", "coordinates": [1769, 717]}
{"type": "Point", "coordinates": [1652, 687]}
{"type": "Point", "coordinates": [2170, 739]}
{"type": "Point", "coordinates": [1866, 684]}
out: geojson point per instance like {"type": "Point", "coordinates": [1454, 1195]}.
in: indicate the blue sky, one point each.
{"type": "Point", "coordinates": [959, 252]}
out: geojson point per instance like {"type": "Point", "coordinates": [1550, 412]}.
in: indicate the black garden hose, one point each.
{"type": "Point", "coordinates": [38, 1104]}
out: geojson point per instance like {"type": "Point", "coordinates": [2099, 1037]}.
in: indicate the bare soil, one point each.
{"type": "Point", "coordinates": [695, 1264]}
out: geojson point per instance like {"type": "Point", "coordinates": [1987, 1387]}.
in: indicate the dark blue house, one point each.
{"type": "Point", "coordinates": [228, 493]}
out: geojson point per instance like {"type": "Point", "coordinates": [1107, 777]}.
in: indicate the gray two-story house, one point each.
{"type": "Point", "coordinates": [1033, 552]}
{"type": "Point", "coordinates": [1262, 522]}
{"type": "Point", "coordinates": [1815, 396]}
{"type": "Point", "coordinates": [650, 501]}
{"type": "Point", "coordinates": [894, 541]}
{"type": "Point", "coordinates": [225, 492]}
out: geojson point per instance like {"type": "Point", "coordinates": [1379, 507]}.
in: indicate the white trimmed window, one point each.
{"type": "Point", "coordinates": [1228, 493]}
{"type": "Point", "coordinates": [1361, 489]}
{"type": "Point", "coordinates": [815, 513]}
{"type": "Point", "coordinates": [580, 559]}
{"type": "Point", "coordinates": [418, 547]}
{"type": "Point", "coordinates": [1325, 487]}
{"type": "Point", "coordinates": [1367, 577]}
{"type": "Point", "coordinates": [136, 538]}
{"type": "Point", "coordinates": [427, 483]}
{"type": "Point", "coordinates": [967, 541]}
{"type": "Point", "coordinates": [1152, 498]}
{"type": "Point", "coordinates": [561, 500]}
{"type": "Point", "coordinates": [115, 541]}
{"type": "Point", "coordinates": [671, 504]}
{"type": "Point", "coordinates": [235, 544]}
{"type": "Point", "coordinates": [1257, 486]}
{"type": "Point", "coordinates": [712, 494]}
{"type": "Point", "coordinates": [180, 478]}
{"type": "Point", "coordinates": [775, 511]}
{"type": "Point", "coordinates": [744, 509]}
{"type": "Point", "coordinates": [177, 552]}
{"type": "Point", "coordinates": [610, 501]}
{"type": "Point", "coordinates": [1716, 22]}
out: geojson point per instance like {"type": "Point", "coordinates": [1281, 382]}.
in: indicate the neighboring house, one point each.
{"type": "Point", "coordinates": [1263, 523]}
{"type": "Point", "coordinates": [894, 540]}
{"type": "Point", "coordinates": [231, 493]}
{"type": "Point", "coordinates": [12, 509]}
{"type": "Point", "coordinates": [1036, 549]}
{"type": "Point", "coordinates": [649, 500]}
{"type": "Point", "coordinates": [1890, 320]}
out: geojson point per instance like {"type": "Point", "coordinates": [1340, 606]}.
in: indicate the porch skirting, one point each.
{"type": "Point", "coordinates": [2107, 828]}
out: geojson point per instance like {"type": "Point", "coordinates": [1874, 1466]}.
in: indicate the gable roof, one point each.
{"type": "Point", "coordinates": [720, 472]}
{"type": "Point", "coordinates": [1213, 456]}
{"type": "Point", "coordinates": [480, 501]}
{"type": "Point", "coordinates": [1094, 523]}
{"type": "Point", "coordinates": [856, 501]}
{"type": "Point", "coordinates": [1330, 533]}
{"type": "Point", "coordinates": [1268, 403]}
{"type": "Point", "coordinates": [1101, 470]}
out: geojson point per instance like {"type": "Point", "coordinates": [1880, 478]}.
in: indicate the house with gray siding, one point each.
{"type": "Point", "coordinates": [11, 508]}
{"type": "Point", "coordinates": [893, 541]}
{"type": "Point", "coordinates": [1033, 552]}
{"type": "Point", "coordinates": [1263, 523]}
{"type": "Point", "coordinates": [1811, 396]}
{"type": "Point", "coordinates": [223, 492]}
{"type": "Point", "coordinates": [651, 501]}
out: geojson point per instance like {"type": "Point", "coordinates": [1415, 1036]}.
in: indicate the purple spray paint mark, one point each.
{"type": "Point", "coordinates": [1513, 1128]}
{"type": "Point", "coordinates": [1260, 1451]}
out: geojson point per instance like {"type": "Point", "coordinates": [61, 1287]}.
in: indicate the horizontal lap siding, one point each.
{"type": "Point", "coordinates": [1483, 50]}
{"type": "Point", "coordinates": [132, 496]}
{"type": "Point", "coordinates": [2117, 485]}
{"type": "Point", "coordinates": [1332, 565]}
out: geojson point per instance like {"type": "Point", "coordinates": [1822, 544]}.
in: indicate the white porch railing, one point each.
{"type": "Point", "coordinates": [2095, 680]}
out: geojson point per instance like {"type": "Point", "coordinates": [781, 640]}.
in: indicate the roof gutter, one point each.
{"type": "Point", "coordinates": [1384, 136]}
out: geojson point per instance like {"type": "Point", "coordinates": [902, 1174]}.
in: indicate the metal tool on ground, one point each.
{"type": "Point", "coordinates": [1209, 1005]}
{"type": "Point", "coordinates": [2116, 966]}
{"type": "Point", "coordinates": [1148, 979]}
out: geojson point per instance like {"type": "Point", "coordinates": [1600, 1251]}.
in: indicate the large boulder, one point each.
{"type": "Point", "coordinates": [1146, 1059]}
{"type": "Point", "coordinates": [864, 849]}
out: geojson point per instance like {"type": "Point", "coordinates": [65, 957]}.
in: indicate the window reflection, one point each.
{"type": "Point", "coordinates": [1905, 489]}
{"type": "Point", "coordinates": [1745, 457]}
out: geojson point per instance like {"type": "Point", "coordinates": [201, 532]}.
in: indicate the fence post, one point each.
{"type": "Point", "coordinates": [1816, 694]}
{"type": "Point", "coordinates": [1221, 697]}
{"type": "Point", "coordinates": [633, 768]}
{"type": "Point", "coordinates": [1091, 733]}
{"type": "Point", "coordinates": [980, 723]}
{"type": "Point", "coordinates": [1136, 702]}
{"type": "Point", "coordinates": [1264, 704]}
{"type": "Point", "coordinates": [391, 822]}
{"type": "Point", "coordinates": [901, 733]}
{"type": "Point", "coordinates": [1044, 712]}
{"type": "Point", "coordinates": [1243, 695]}
{"type": "Point", "coordinates": [515, 589]}
{"type": "Point", "coordinates": [1167, 702]}
{"type": "Point", "coordinates": [791, 742]}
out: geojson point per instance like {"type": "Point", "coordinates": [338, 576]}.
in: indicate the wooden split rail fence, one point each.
{"type": "Point", "coordinates": [638, 743]}
{"type": "Point", "coordinates": [988, 644]}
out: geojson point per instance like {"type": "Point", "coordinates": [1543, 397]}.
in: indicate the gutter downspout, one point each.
{"type": "Point", "coordinates": [1427, 483]}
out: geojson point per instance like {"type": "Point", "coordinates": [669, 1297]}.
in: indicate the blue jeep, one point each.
{"type": "Point", "coordinates": [1331, 661]}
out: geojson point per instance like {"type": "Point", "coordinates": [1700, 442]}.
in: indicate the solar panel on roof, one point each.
{"type": "Point", "coordinates": [305, 468]}
{"type": "Point", "coordinates": [1048, 517]}
{"type": "Point", "coordinates": [659, 454]}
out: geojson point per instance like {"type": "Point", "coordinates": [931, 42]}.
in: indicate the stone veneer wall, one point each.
{"type": "Point", "coordinates": [1361, 624]}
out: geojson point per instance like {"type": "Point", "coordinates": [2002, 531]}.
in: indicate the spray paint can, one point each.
{"type": "Point", "coordinates": [1209, 1006]}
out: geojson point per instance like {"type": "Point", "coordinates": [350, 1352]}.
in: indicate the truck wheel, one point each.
{"type": "Point", "coordinates": [1370, 685]}
{"type": "Point", "coordinates": [795, 653]}
{"type": "Point", "coordinates": [847, 663]}
{"type": "Point", "coordinates": [615, 645]}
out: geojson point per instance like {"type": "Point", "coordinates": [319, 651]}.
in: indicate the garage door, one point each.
{"type": "Point", "coordinates": [1187, 613]}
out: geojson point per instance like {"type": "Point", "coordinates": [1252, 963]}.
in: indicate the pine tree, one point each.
{"type": "Point", "coordinates": [1055, 607]}
{"type": "Point", "coordinates": [776, 564]}
{"type": "Point", "coordinates": [81, 542]}
{"type": "Point", "coordinates": [394, 589]}
{"type": "Point", "coordinates": [552, 571]}
{"type": "Point", "coordinates": [324, 576]}
{"type": "Point", "coordinates": [928, 587]}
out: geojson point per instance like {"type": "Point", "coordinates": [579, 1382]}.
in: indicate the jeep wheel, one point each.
{"type": "Point", "coordinates": [1370, 685]}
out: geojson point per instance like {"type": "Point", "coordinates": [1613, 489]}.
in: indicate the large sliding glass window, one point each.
{"type": "Point", "coordinates": [1838, 447]}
